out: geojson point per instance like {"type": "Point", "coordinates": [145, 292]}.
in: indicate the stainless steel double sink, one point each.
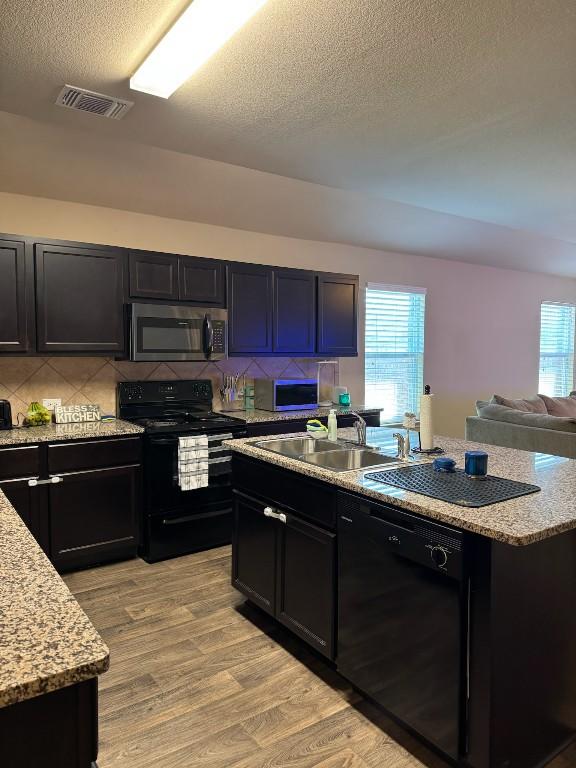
{"type": "Point", "coordinates": [339, 456]}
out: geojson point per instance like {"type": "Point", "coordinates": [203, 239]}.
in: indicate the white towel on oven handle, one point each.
{"type": "Point", "coordinates": [192, 462]}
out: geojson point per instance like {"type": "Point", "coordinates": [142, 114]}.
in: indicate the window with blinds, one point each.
{"type": "Point", "coordinates": [557, 326]}
{"type": "Point", "coordinates": [394, 349]}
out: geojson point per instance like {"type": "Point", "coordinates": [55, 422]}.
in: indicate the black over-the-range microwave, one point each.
{"type": "Point", "coordinates": [169, 332]}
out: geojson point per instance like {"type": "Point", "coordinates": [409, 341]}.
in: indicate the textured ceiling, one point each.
{"type": "Point", "coordinates": [457, 106]}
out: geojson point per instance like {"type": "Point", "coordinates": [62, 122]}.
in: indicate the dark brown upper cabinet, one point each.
{"type": "Point", "coordinates": [294, 312]}
{"type": "Point", "coordinates": [13, 297]}
{"type": "Point", "coordinates": [277, 311]}
{"type": "Point", "coordinates": [337, 315]}
{"type": "Point", "coordinates": [202, 281]}
{"type": "Point", "coordinates": [153, 275]}
{"type": "Point", "coordinates": [170, 277]}
{"type": "Point", "coordinates": [79, 299]}
{"type": "Point", "coordinates": [250, 302]}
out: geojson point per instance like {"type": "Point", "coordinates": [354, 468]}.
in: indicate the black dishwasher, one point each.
{"type": "Point", "coordinates": [402, 615]}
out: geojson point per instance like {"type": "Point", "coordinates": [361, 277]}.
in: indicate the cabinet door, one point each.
{"type": "Point", "coordinates": [13, 314]}
{"type": "Point", "coordinates": [337, 315]}
{"type": "Point", "coordinates": [94, 516]}
{"type": "Point", "coordinates": [79, 295]}
{"type": "Point", "coordinates": [30, 503]}
{"type": "Point", "coordinates": [153, 275]}
{"type": "Point", "coordinates": [307, 583]}
{"type": "Point", "coordinates": [254, 542]}
{"type": "Point", "coordinates": [249, 309]}
{"type": "Point", "coordinates": [294, 311]}
{"type": "Point", "coordinates": [202, 281]}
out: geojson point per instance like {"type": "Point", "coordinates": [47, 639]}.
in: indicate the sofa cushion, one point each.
{"type": "Point", "coordinates": [560, 406]}
{"type": "Point", "coordinates": [529, 405]}
{"type": "Point", "coordinates": [512, 416]}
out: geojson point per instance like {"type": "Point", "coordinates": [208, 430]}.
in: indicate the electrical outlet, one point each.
{"type": "Point", "coordinates": [51, 402]}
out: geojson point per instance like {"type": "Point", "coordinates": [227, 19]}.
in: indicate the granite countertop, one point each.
{"type": "Point", "coordinates": [256, 416]}
{"type": "Point", "coordinates": [46, 640]}
{"type": "Point", "coordinates": [53, 432]}
{"type": "Point", "coordinates": [520, 521]}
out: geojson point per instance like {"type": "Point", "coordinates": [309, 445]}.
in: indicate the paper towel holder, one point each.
{"type": "Point", "coordinates": [436, 450]}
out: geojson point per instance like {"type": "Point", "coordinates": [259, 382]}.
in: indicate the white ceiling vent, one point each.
{"type": "Point", "coordinates": [89, 101]}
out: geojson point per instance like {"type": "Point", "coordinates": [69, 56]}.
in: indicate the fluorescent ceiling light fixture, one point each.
{"type": "Point", "coordinates": [202, 29]}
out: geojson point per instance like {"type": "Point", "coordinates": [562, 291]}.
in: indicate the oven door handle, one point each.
{"type": "Point", "coordinates": [211, 438]}
{"type": "Point", "coordinates": [208, 332]}
{"type": "Point", "coordinates": [190, 518]}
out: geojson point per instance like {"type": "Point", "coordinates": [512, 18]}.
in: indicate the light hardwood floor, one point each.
{"type": "Point", "coordinates": [199, 679]}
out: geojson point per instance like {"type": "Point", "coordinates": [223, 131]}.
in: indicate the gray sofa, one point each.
{"type": "Point", "coordinates": [499, 425]}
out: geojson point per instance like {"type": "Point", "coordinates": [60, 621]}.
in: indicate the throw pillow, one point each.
{"type": "Point", "coordinates": [529, 405]}
{"type": "Point", "coordinates": [560, 406]}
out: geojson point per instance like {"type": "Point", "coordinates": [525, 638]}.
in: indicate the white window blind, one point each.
{"type": "Point", "coordinates": [394, 349]}
{"type": "Point", "coordinates": [557, 325]}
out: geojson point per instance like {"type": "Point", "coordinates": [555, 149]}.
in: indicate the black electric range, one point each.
{"type": "Point", "coordinates": [177, 522]}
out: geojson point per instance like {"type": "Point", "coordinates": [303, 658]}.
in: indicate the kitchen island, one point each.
{"type": "Point", "coordinates": [50, 655]}
{"type": "Point", "coordinates": [458, 621]}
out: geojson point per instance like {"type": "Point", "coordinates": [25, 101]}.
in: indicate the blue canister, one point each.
{"type": "Point", "coordinates": [444, 464]}
{"type": "Point", "coordinates": [476, 463]}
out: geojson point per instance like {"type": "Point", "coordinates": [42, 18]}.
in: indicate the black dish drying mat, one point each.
{"type": "Point", "coordinates": [454, 487]}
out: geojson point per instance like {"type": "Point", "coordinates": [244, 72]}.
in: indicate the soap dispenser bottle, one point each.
{"type": "Point", "coordinates": [332, 426]}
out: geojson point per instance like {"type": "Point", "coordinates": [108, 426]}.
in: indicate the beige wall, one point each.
{"type": "Point", "coordinates": [482, 323]}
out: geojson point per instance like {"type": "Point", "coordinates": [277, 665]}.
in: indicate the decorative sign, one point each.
{"type": "Point", "coordinates": [74, 414]}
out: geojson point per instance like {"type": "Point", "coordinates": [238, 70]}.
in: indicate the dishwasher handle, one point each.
{"type": "Point", "coordinates": [377, 514]}
{"type": "Point", "coordinates": [407, 536]}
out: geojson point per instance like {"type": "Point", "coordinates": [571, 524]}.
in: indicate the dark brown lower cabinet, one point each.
{"type": "Point", "coordinates": [28, 502]}
{"type": "Point", "coordinates": [20, 466]}
{"type": "Point", "coordinates": [94, 516]}
{"type": "Point", "coordinates": [254, 552]}
{"type": "Point", "coordinates": [80, 499]}
{"type": "Point", "coordinates": [257, 428]}
{"type": "Point", "coordinates": [306, 582]}
{"type": "Point", "coordinates": [54, 730]}
{"type": "Point", "coordinates": [286, 566]}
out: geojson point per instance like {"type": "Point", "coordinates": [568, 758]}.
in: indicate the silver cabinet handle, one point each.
{"type": "Point", "coordinates": [50, 481]}
{"type": "Point", "coordinates": [269, 512]}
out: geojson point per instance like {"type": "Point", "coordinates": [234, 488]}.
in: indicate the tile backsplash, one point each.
{"type": "Point", "coordinates": [80, 380]}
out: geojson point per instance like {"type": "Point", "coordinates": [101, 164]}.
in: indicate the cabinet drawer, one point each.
{"type": "Point", "coordinates": [67, 457]}
{"type": "Point", "coordinates": [19, 462]}
{"type": "Point", "coordinates": [290, 491]}
{"type": "Point", "coordinates": [172, 535]}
